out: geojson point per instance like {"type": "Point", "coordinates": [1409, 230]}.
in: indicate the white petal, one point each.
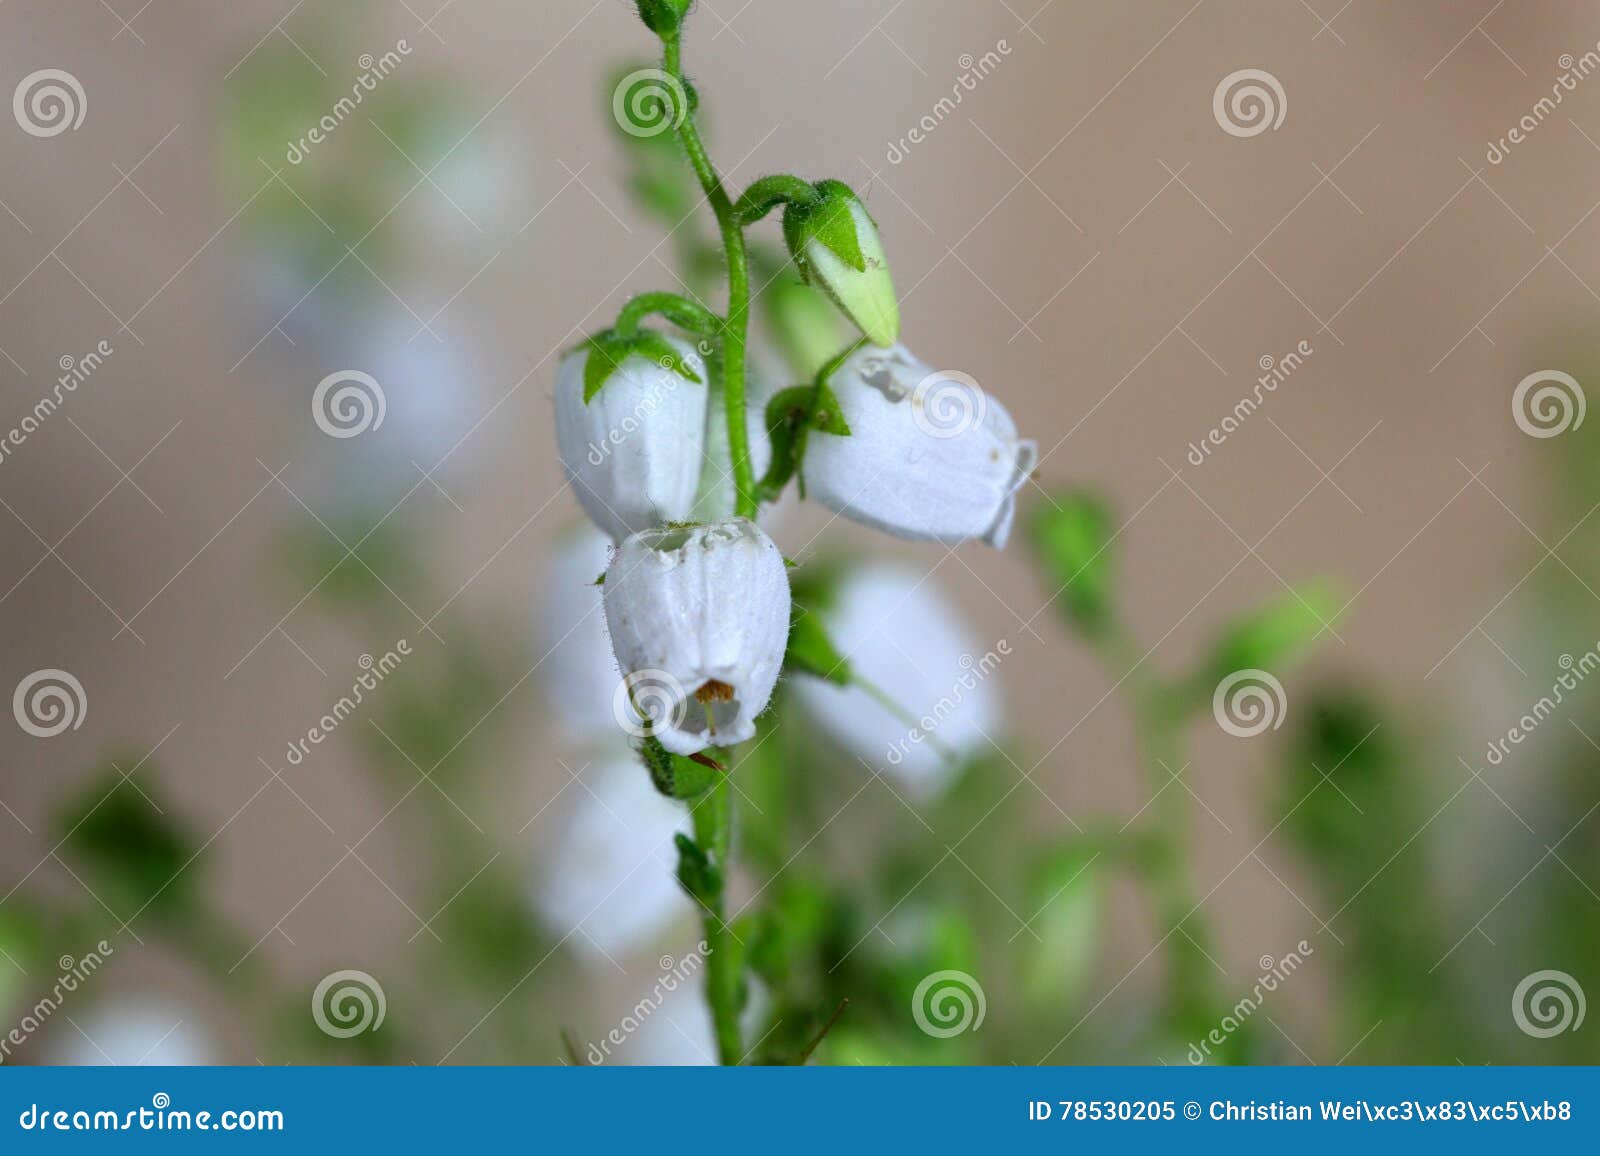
{"type": "Point", "coordinates": [697, 605]}
{"type": "Point", "coordinates": [633, 452]}
{"type": "Point", "coordinates": [930, 456]}
{"type": "Point", "coordinates": [611, 868]}
{"type": "Point", "coordinates": [903, 637]}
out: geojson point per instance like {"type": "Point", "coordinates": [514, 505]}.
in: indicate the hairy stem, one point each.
{"type": "Point", "coordinates": [737, 323]}
{"type": "Point", "coordinates": [714, 831]}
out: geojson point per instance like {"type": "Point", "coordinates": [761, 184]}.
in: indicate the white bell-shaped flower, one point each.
{"type": "Point", "coordinates": [930, 455]}
{"type": "Point", "coordinates": [905, 640]}
{"type": "Point", "coordinates": [633, 451]}
{"type": "Point", "coordinates": [607, 876]}
{"type": "Point", "coordinates": [699, 616]}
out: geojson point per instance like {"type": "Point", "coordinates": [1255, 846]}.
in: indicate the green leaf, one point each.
{"type": "Point", "coordinates": [1066, 904]}
{"type": "Point", "coordinates": [1274, 635]}
{"type": "Point", "coordinates": [1072, 536]}
{"type": "Point", "coordinates": [137, 855]}
{"type": "Point", "coordinates": [697, 874]}
{"type": "Point", "coordinates": [812, 652]}
{"type": "Point", "coordinates": [825, 414]}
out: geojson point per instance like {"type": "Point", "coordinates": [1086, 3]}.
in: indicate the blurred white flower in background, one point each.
{"type": "Point", "coordinates": [905, 639]}
{"type": "Point", "coordinates": [608, 878]}
{"type": "Point", "coordinates": [130, 1031]}
{"type": "Point", "coordinates": [580, 676]}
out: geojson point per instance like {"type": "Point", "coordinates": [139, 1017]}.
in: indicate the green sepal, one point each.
{"type": "Point", "coordinates": [697, 874]}
{"type": "Point", "coordinates": [1072, 536]}
{"type": "Point", "coordinates": [663, 17]}
{"type": "Point", "coordinates": [675, 776]}
{"type": "Point", "coordinates": [811, 651]}
{"type": "Point", "coordinates": [791, 415]}
{"type": "Point", "coordinates": [829, 222]}
{"type": "Point", "coordinates": [608, 350]}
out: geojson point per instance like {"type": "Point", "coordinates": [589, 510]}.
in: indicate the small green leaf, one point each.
{"type": "Point", "coordinates": [1274, 635]}
{"type": "Point", "coordinates": [697, 874]}
{"type": "Point", "coordinates": [812, 652]}
{"type": "Point", "coordinates": [607, 352]}
{"type": "Point", "coordinates": [1072, 536]}
{"type": "Point", "coordinates": [825, 414]}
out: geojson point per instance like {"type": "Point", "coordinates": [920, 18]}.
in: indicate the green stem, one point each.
{"type": "Point", "coordinates": [738, 318]}
{"type": "Point", "coordinates": [713, 820]}
{"type": "Point", "coordinates": [679, 310]}
{"type": "Point", "coordinates": [1165, 858]}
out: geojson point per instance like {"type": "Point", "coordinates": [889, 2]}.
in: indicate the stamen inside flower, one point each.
{"type": "Point", "coordinates": [720, 705]}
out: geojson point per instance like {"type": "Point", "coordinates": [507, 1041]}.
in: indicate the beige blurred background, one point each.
{"type": "Point", "coordinates": [1079, 235]}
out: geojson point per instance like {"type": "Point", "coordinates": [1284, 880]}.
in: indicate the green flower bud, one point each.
{"type": "Point", "coordinates": [835, 245]}
{"type": "Point", "coordinates": [663, 16]}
